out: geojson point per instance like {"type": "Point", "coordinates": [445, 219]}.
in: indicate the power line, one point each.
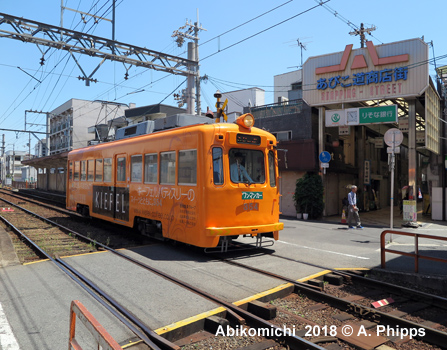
{"type": "Point", "coordinates": [251, 20]}
{"type": "Point", "coordinates": [264, 30]}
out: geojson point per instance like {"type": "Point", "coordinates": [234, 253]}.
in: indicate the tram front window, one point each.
{"type": "Point", "coordinates": [246, 166]}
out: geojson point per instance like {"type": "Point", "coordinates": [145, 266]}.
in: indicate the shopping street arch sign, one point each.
{"type": "Point", "coordinates": [387, 71]}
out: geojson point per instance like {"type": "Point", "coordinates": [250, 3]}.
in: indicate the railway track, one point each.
{"type": "Point", "coordinates": [348, 301]}
{"type": "Point", "coordinates": [241, 319]}
{"type": "Point", "coordinates": [42, 220]}
{"type": "Point", "coordinates": [307, 317]}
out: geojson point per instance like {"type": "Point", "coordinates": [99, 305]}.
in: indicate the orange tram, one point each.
{"type": "Point", "coordinates": [203, 184]}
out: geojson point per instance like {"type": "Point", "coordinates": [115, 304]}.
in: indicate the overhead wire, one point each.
{"type": "Point", "coordinates": [266, 29]}
{"type": "Point", "coordinates": [107, 11]}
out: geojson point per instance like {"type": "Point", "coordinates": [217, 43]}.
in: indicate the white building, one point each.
{"type": "Point", "coordinates": [288, 86]}
{"type": "Point", "coordinates": [41, 149]}
{"type": "Point", "coordinates": [69, 123]}
{"type": "Point", "coordinates": [29, 174]}
{"type": "Point", "coordinates": [239, 99]}
{"type": "Point", "coordinates": [13, 164]}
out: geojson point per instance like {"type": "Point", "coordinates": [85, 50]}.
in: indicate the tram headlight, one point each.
{"type": "Point", "coordinates": [246, 120]}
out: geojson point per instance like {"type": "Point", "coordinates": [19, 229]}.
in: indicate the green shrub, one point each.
{"type": "Point", "coordinates": [308, 195]}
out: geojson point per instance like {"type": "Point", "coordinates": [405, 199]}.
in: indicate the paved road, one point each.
{"type": "Point", "coordinates": [35, 298]}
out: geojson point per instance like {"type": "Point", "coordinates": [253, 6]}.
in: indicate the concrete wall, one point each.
{"type": "Point", "coordinates": [55, 182]}
{"type": "Point", "coordinates": [283, 83]}
{"type": "Point", "coordinates": [287, 184]}
{"type": "Point", "coordinates": [237, 100]}
{"type": "Point", "coordinates": [85, 114]}
{"type": "Point", "coordinates": [301, 124]}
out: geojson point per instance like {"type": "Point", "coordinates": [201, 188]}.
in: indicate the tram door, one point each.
{"type": "Point", "coordinates": [121, 189]}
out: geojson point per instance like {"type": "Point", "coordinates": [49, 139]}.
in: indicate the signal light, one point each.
{"type": "Point", "coordinates": [246, 121]}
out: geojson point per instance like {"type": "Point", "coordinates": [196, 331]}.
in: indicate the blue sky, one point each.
{"type": "Point", "coordinates": [231, 65]}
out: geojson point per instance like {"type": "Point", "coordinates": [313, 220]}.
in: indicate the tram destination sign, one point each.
{"type": "Point", "coordinates": [248, 139]}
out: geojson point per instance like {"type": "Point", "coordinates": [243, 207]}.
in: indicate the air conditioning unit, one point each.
{"type": "Point", "coordinates": [135, 130]}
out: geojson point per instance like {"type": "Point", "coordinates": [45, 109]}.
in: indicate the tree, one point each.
{"type": "Point", "coordinates": [308, 195]}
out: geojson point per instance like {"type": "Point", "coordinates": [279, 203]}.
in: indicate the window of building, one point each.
{"type": "Point", "coordinates": [283, 135]}
{"type": "Point", "coordinates": [121, 169]}
{"type": "Point", "coordinates": [90, 169]}
{"type": "Point", "coordinates": [150, 168]}
{"type": "Point", "coordinates": [98, 170]}
{"type": "Point", "coordinates": [136, 168]}
{"type": "Point", "coordinates": [297, 86]}
{"type": "Point", "coordinates": [167, 168]}
{"type": "Point", "coordinates": [108, 169]}
{"type": "Point", "coordinates": [83, 170]}
{"type": "Point", "coordinates": [187, 167]}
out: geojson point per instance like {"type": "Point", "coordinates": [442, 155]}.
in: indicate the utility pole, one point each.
{"type": "Point", "coordinates": [3, 165]}
{"type": "Point", "coordinates": [32, 124]}
{"type": "Point", "coordinates": [362, 32]}
{"type": "Point", "coordinates": [191, 31]}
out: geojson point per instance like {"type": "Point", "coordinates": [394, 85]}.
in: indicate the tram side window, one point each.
{"type": "Point", "coordinates": [70, 171]}
{"type": "Point", "coordinates": [167, 168]}
{"type": "Point", "coordinates": [218, 166]}
{"type": "Point", "coordinates": [187, 167]}
{"type": "Point", "coordinates": [83, 170]}
{"type": "Point", "coordinates": [150, 168]}
{"type": "Point", "coordinates": [272, 176]}
{"type": "Point", "coordinates": [76, 171]}
{"type": "Point", "coordinates": [90, 169]}
{"type": "Point", "coordinates": [98, 170]}
{"type": "Point", "coordinates": [121, 169]}
{"type": "Point", "coordinates": [107, 169]}
{"type": "Point", "coordinates": [136, 167]}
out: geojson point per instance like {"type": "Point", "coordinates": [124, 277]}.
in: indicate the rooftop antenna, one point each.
{"type": "Point", "coordinates": [302, 46]}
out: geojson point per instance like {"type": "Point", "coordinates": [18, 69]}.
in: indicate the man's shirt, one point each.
{"type": "Point", "coordinates": [352, 198]}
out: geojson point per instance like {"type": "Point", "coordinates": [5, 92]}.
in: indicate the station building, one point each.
{"type": "Point", "coordinates": [350, 99]}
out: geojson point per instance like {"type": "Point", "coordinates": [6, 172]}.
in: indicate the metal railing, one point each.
{"type": "Point", "coordinates": [277, 109]}
{"type": "Point", "coordinates": [102, 338]}
{"type": "Point", "coordinates": [23, 184]}
{"type": "Point", "coordinates": [416, 255]}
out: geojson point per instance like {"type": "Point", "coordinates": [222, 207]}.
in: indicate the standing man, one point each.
{"type": "Point", "coordinates": [353, 211]}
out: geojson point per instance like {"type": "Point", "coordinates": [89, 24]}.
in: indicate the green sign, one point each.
{"type": "Point", "coordinates": [335, 117]}
{"type": "Point", "coordinates": [251, 195]}
{"type": "Point", "coordinates": [374, 115]}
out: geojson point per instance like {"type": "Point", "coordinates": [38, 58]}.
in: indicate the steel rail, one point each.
{"type": "Point", "coordinates": [436, 337]}
{"type": "Point", "coordinates": [97, 296]}
{"type": "Point", "coordinates": [432, 335]}
{"type": "Point", "coordinates": [294, 341]}
{"type": "Point", "coordinates": [432, 299]}
{"type": "Point", "coordinates": [271, 274]}
{"type": "Point", "coordinates": [54, 223]}
{"type": "Point", "coordinates": [34, 201]}
{"type": "Point", "coordinates": [159, 340]}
